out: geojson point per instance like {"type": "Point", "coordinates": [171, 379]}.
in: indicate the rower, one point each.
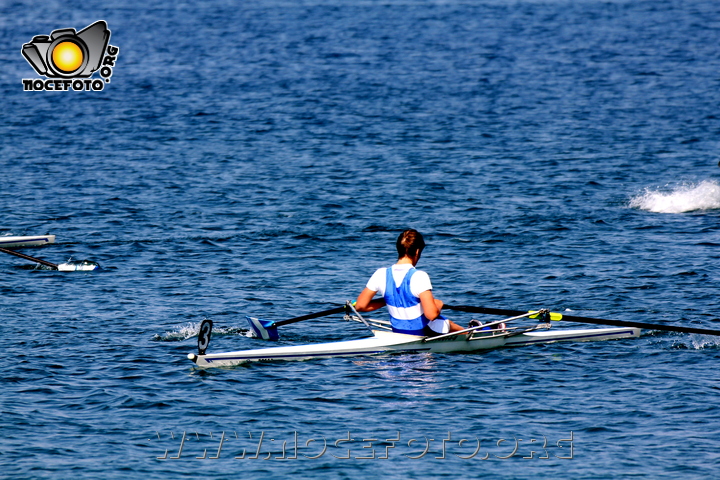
{"type": "Point", "coordinates": [407, 292]}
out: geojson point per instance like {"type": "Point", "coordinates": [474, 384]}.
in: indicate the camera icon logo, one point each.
{"type": "Point", "coordinates": [66, 53]}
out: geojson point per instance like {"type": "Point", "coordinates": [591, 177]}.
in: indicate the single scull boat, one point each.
{"type": "Point", "coordinates": [483, 337]}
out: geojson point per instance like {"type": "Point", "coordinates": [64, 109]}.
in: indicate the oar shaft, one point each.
{"type": "Point", "coordinates": [645, 326]}
{"type": "Point", "coordinates": [324, 313]}
{"type": "Point", "coordinates": [596, 321]}
{"type": "Point", "coordinates": [28, 257]}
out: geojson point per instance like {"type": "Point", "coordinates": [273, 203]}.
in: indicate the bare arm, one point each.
{"type": "Point", "coordinates": [431, 305]}
{"type": "Point", "coordinates": [365, 302]}
{"type": "Point", "coordinates": [431, 302]}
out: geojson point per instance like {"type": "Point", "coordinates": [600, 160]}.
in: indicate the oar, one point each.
{"type": "Point", "coordinates": [28, 257]}
{"type": "Point", "coordinates": [267, 329]}
{"type": "Point", "coordinates": [596, 321]}
{"type": "Point", "coordinates": [84, 266]}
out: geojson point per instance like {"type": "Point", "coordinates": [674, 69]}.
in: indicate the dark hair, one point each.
{"type": "Point", "coordinates": [410, 243]}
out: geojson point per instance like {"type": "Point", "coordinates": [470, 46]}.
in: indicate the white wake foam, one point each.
{"type": "Point", "coordinates": [683, 198]}
{"type": "Point", "coordinates": [189, 330]}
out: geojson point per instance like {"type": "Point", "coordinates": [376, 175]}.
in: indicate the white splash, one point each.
{"type": "Point", "coordinates": [190, 330]}
{"type": "Point", "coordinates": [179, 334]}
{"type": "Point", "coordinates": [696, 342]}
{"type": "Point", "coordinates": [705, 341]}
{"type": "Point", "coordinates": [684, 198]}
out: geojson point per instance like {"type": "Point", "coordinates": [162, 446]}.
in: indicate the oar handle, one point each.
{"type": "Point", "coordinates": [596, 321]}
{"type": "Point", "coordinates": [28, 257]}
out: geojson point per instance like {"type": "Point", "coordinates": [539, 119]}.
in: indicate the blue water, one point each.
{"type": "Point", "coordinates": [259, 158]}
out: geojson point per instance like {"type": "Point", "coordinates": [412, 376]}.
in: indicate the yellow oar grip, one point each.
{"type": "Point", "coordinates": [553, 315]}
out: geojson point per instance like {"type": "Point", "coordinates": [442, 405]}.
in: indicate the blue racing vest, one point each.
{"type": "Point", "coordinates": [406, 314]}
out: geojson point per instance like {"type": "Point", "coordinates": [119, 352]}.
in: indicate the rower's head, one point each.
{"type": "Point", "coordinates": [410, 244]}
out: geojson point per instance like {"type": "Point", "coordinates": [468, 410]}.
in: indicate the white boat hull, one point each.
{"type": "Point", "coordinates": [390, 342]}
{"type": "Point", "coordinates": [26, 241]}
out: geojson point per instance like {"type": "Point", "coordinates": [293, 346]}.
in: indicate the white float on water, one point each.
{"type": "Point", "coordinates": [82, 266]}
